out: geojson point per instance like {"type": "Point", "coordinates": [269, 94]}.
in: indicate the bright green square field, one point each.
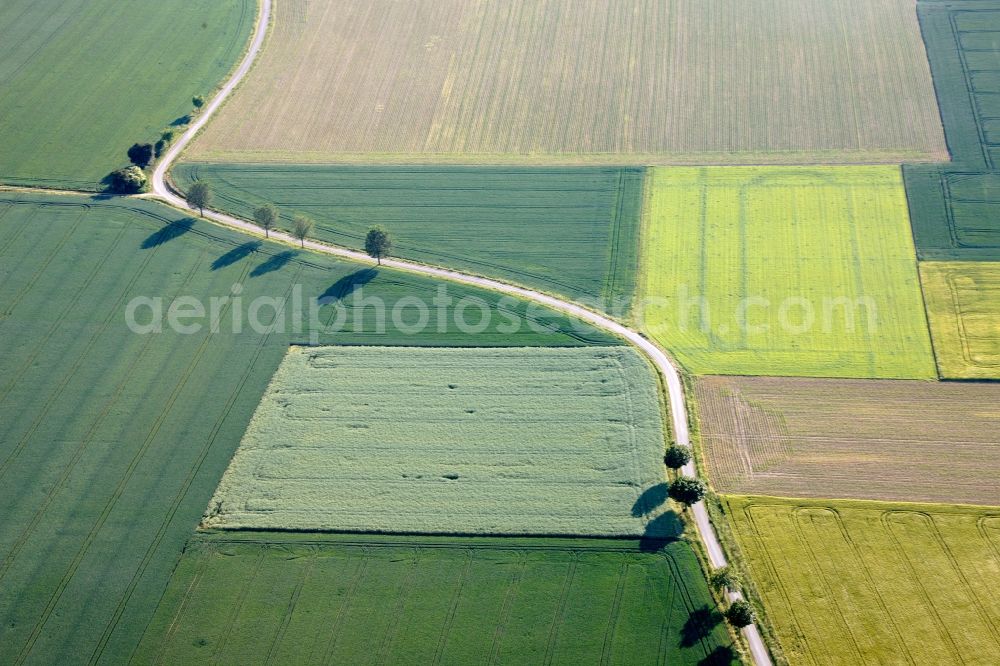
{"type": "Point", "coordinates": [783, 271]}
{"type": "Point", "coordinates": [425, 440]}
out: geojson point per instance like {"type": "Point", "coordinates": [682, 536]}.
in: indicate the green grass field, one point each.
{"type": "Point", "coordinates": [865, 582]}
{"type": "Point", "coordinates": [955, 209]}
{"type": "Point", "coordinates": [784, 271]}
{"type": "Point", "coordinates": [570, 231]}
{"type": "Point", "coordinates": [955, 213]}
{"type": "Point", "coordinates": [962, 38]}
{"type": "Point", "coordinates": [963, 304]}
{"type": "Point", "coordinates": [489, 441]}
{"type": "Point", "coordinates": [111, 442]}
{"type": "Point", "coordinates": [83, 80]}
{"type": "Point", "coordinates": [252, 598]}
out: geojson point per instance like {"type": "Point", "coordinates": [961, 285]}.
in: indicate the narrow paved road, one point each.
{"type": "Point", "coordinates": [667, 369]}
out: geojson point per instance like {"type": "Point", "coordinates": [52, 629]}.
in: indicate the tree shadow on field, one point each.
{"type": "Point", "coordinates": [168, 233]}
{"type": "Point", "coordinates": [346, 285]}
{"type": "Point", "coordinates": [723, 655]}
{"type": "Point", "coordinates": [649, 500]}
{"type": "Point", "coordinates": [275, 262]}
{"type": "Point", "coordinates": [106, 190]}
{"type": "Point", "coordinates": [699, 625]}
{"type": "Point", "coordinates": [660, 531]}
{"type": "Point", "coordinates": [181, 121]}
{"type": "Point", "coordinates": [237, 253]}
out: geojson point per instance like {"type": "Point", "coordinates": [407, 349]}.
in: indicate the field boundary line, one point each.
{"type": "Point", "coordinates": [203, 563]}
{"type": "Point", "coordinates": [342, 612]}
{"type": "Point", "coordinates": [234, 614]}
{"type": "Point", "coordinates": [560, 614]}
{"type": "Point", "coordinates": [508, 600]}
{"type": "Point", "coordinates": [962, 52]}
{"type": "Point", "coordinates": [286, 619]}
{"type": "Point", "coordinates": [607, 649]}
{"type": "Point", "coordinates": [162, 192]}
{"type": "Point", "coordinates": [453, 608]}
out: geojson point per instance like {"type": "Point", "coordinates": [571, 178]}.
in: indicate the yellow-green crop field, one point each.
{"type": "Point", "coordinates": [864, 582]}
{"type": "Point", "coordinates": [963, 304]}
{"type": "Point", "coordinates": [783, 271]}
{"type": "Point", "coordinates": [639, 82]}
{"type": "Point", "coordinates": [499, 441]}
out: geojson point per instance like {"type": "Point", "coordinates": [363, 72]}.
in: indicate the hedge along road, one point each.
{"type": "Point", "coordinates": [666, 368]}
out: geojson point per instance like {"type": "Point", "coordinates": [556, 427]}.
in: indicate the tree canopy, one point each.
{"type": "Point", "coordinates": [677, 456]}
{"type": "Point", "coordinates": [740, 614]}
{"type": "Point", "coordinates": [724, 579]}
{"type": "Point", "coordinates": [199, 195]}
{"type": "Point", "coordinates": [377, 243]}
{"type": "Point", "coordinates": [267, 217]}
{"type": "Point", "coordinates": [129, 180]}
{"type": "Point", "coordinates": [687, 491]}
{"type": "Point", "coordinates": [141, 154]}
{"type": "Point", "coordinates": [301, 227]}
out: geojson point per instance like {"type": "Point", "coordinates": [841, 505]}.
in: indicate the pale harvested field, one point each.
{"type": "Point", "coordinates": [434, 440]}
{"type": "Point", "coordinates": [861, 439]}
{"type": "Point", "coordinates": [661, 81]}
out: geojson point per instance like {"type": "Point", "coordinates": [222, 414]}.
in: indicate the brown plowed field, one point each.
{"type": "Point", "coordinates": [863, 439]}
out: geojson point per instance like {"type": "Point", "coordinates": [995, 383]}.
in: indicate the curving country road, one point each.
{"type": "Point", "coordinates": [678, 413]}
